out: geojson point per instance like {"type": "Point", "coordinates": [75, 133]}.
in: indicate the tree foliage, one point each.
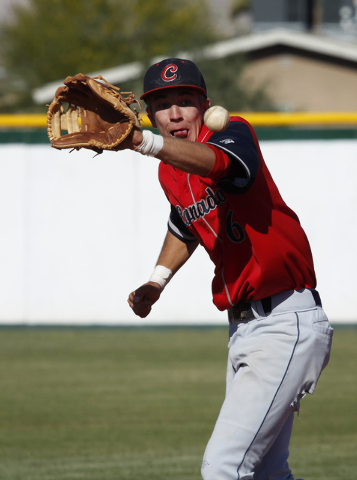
{"type": "Point", "coordinates": [239, 6]}
{"type": "Point", "coordinates": [48, 40]}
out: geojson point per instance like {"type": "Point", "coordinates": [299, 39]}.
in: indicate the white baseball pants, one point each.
{"type": "Point", "coordinates": [273, 361]}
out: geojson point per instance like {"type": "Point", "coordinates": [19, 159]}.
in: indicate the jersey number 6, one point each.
{"type": "Point", "coordinates": [234, 231]}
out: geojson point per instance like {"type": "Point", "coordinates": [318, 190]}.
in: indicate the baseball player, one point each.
{"type": "Point", "coordinates": [223, 197]}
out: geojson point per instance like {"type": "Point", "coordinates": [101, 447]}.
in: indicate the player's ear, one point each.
{"type": "Point", "coordinates": [151, 116]}
{"type": "Point", "coordinates": [206, 104]}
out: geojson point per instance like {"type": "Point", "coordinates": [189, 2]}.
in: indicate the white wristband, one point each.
{"type": "Point", "coordinates": [161, 275]}
{"type": "Point", "coordinates": [151, 144]}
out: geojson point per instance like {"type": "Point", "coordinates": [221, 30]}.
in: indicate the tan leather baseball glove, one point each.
{"type": "Point", "coordinates": [98, 117]}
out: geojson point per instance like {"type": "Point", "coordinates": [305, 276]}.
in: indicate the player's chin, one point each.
{"type": "Point", "coordinates": [192, 138]}
{"type": "Point", "coordinates": [193, 135]}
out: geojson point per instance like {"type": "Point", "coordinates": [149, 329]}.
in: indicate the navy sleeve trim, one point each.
{"type": "Point", "coordinates": [237, 141]}
{"type": "Point", "coordinates": [248, 175]}
{"type": "Point", "coordinates": [177, 227]}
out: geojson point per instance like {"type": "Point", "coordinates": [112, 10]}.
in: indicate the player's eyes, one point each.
{"type": "Point", "coordinates": [163, 106]}
{"type": "Point", "coordinates": [167, 105]}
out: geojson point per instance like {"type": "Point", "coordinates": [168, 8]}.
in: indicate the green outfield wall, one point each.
{"type": "Point", "coordinates": [39, 135]}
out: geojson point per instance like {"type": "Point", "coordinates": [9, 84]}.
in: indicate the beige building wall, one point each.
{"type": "Point", "coordinates": [295, 83]}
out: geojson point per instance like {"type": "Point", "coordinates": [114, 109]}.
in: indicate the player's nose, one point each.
{"type": "Point", "coordinates": [175, 113]}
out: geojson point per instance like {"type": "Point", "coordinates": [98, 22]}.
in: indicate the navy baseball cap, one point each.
{"type": "Point", "coordinates": [173, 72]}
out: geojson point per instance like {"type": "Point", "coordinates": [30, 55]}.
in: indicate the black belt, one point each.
{"type": "Point", "coordinates": [243, 311]}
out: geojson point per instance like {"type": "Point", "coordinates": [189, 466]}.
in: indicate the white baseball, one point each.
{"type": "Point", "coordinates": [216, 118]}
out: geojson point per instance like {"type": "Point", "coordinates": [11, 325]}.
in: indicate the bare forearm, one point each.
{"type": "Point", "coordinates": [191, 157]}
{"type": "Point", "coordinates": [175, 253]}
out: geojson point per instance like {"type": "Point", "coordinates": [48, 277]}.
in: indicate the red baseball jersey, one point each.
{"type": "Point", "coordinates": [237, 214]}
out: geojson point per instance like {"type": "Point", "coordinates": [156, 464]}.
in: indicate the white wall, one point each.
{"type": "Point", "coordinates": [79, 233]}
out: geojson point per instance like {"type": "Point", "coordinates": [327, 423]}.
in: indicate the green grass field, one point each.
{"type": "Point", "coordinates": [137, 404]}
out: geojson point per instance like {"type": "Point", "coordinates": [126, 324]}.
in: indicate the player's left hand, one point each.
{"type": "Point", "coordinates": [142, 299]}
{"type": "Point", "coordinates": [132, 141]}
{"type": "Point", "coordinates": [99, 117]}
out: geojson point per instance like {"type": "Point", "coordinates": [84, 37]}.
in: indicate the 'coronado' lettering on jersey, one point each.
{"type": "Point", "coordinates": [198, 210]}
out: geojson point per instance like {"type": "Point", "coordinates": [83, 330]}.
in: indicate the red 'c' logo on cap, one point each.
{"type": "Point", "coordinates": [170, 69]}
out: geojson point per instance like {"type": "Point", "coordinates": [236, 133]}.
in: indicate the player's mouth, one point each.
{"type": "Point", "coordinates": [180, 133]}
